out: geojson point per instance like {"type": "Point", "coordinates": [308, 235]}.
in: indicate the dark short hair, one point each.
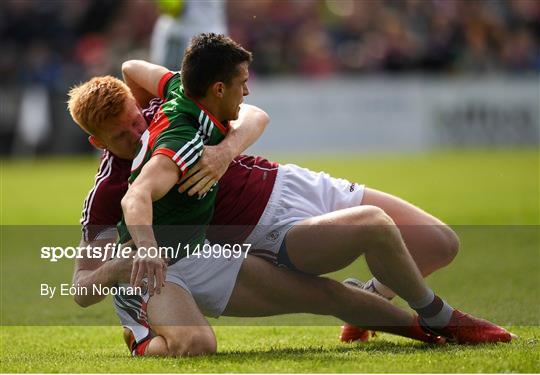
{"type": "Point", "coordinates": [211, 58]}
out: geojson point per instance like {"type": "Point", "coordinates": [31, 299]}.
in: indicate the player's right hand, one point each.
{"type": "Point", "coordinates": [154, 269]}
{"type": "Point", "coordinates": [207, 172]}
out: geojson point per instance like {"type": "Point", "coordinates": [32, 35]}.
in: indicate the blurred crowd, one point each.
{"type": "Point", "coordinates": [57, 42]}
{"type": "Point", "coordinates": [50, 45]}
{"type": "Point", "coordinates": [328, 36]}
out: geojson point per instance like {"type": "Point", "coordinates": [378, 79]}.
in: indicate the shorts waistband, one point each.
{"type": "Point", "coordinates": [271, 205]}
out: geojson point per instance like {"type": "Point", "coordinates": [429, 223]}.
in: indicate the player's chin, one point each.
{"type": "Point", "coordinates": [237, 113]}
{"type": "Point", "coordinates": [128, 154]}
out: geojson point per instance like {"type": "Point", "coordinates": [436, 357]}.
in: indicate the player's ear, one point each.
{"type": "Point", "coordinates": [96, 142]}
{"type": "Point", "coordinates": [218, 88]}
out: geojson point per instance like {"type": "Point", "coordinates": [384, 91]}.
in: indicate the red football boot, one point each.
{"type": "Point", "coordinates": [135, 349]}
{"type": "Point", "coordinates": [350, 333]}
{"type": "Point", "coordinates": [467, 329]}
{"type": "Point", "coordinates": [417, 332]}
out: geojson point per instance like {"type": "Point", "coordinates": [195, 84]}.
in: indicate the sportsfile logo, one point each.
{"type": "Point", "coordinates": [109, 251]}
{"type": "Point", "coordinates": [54, 253]}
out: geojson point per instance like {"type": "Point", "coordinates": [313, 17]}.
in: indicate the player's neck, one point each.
{"type": "Point", "coordinates": [212, 106]}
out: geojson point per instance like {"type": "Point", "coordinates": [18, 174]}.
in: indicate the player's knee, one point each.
{"type": "Point", "coordinates": [374, 216]}
{"type": "Point", "coordinates": [201, 343]}
{"type": "Point", "coordinates": [450, 246]}
{"type": "Point", "coordinates": [376, 226]}
{"type": "Point", "coordinates": [195, 343]}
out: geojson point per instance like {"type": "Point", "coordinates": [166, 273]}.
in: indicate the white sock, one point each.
{"type": "Point", "coordinates": [375, 286]}
{"type": "Point", "coordinates": [433, 310]}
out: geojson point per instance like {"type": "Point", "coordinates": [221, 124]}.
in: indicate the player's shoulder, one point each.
{"type": "Point", "coordinates": [111, 167]}
{"type": "Point", "coordinates": [170, 85]}
{"type": "Point", "coordinates": [110, 180]}
{"type": "Point", "coordinates": [178, 134]}
{"type": "Point", "coordinates": [153, 107]}
{"type": "Point", "coordinates": [170, 118]}
{"type": "Point", "coordinates": [176, 120]}
{"type": "Point", "coordinates": [102, 203]}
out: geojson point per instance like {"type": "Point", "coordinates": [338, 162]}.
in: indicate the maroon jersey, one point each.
{"type": "Point", "coordinates": [244, 191]}
{"type": "Point", "coordinates": [242, 196]}
{"type": "Point", "coordinates": [102, 205]}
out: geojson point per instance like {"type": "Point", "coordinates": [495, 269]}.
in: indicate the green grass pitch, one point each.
{"type": "Point", "coordinates": [490, 198]}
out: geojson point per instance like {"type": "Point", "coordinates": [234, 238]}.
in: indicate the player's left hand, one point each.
{"type": "Point", "coordinates": [207, 172]}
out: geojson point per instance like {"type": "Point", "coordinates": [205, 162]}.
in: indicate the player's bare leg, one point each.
{"type": "Point", "coordinates": [353, 232]}
{"type": "Point", "coordinates": [264, 290]}
{"type": "Point", "coordinates": [370, 231]}
{"type": "Point", "coordinates": [180, 328]}
{"type": "Point", "coordinates": [431, 243]}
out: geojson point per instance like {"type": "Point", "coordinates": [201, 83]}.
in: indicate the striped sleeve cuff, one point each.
{"type": "Point", "coordinates": [186, 157]}
{"type": "Point", "coordinates": [162, 83]}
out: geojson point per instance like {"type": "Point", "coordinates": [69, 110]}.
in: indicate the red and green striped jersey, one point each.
{"type": "Point", "coordinates": [179, 130]}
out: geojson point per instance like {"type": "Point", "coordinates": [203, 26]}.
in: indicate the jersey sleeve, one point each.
{"type": "Point", "coordinates": [149, 112]}
{"type": "Point", "coordinates": [102, 210]}
{"type": "Point", "coordinates": [168, 84]}
{"type": "Point", "coordinates": [182, 144]}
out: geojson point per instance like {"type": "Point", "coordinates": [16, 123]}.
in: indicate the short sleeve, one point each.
{"type": "Point", "coordinates": [182, 144]}
{"type": "Point", "coordinates": [169, 83]}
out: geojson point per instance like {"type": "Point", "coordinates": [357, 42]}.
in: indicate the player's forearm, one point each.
{"type": "Point", "coordinates": [106, 276]}
{"type": "Point", "coordinates": [144, 76]}
{"type": "Point", "coordinates": [137, 209]}
{"type": "Point", "coordinates": [244, 131]}
{"type": "Point", "coordinates": [157, 178]}
{"type": "Point", "coordinates": [142, 96]}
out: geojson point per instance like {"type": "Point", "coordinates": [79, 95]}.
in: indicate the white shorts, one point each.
{"type": "Point", "coordinates": [299, 194]}
{"type": "Point", "coordinates": [210, 281]}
